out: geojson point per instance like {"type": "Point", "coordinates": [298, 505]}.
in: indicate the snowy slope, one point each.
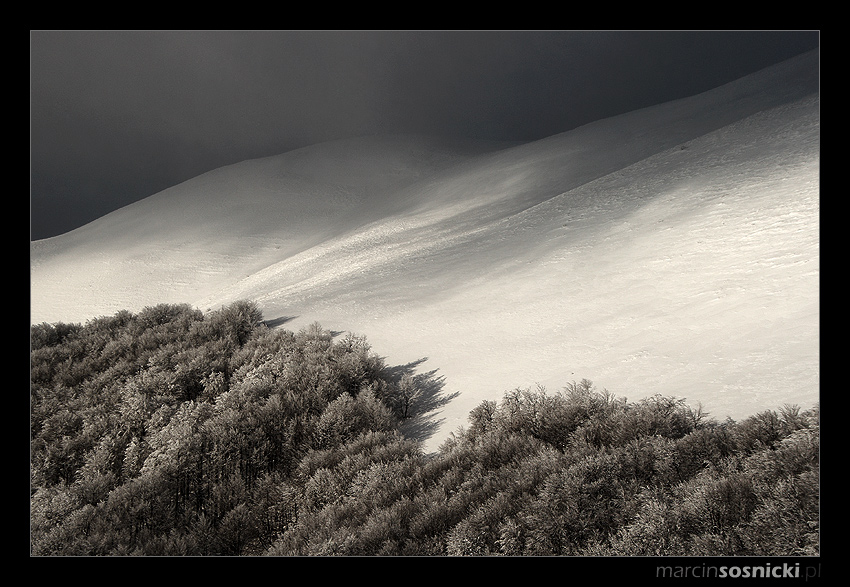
{"type": "Point", "coordinates": [224, 225]}
{"type": "Point", "coordinates": [670, 250]}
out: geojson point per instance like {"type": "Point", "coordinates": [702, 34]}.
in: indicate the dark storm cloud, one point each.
{"type": "Point", "coordinates": [118, 116]}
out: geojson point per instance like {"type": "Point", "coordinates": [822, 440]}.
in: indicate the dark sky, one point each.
{"type": "Point", "coordinates": [117, 116]}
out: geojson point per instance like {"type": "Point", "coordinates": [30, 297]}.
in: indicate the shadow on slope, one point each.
{"type": "Point", "coordinates": [420, 425]}
{"type": "Point", "coordinates": [279, 321]}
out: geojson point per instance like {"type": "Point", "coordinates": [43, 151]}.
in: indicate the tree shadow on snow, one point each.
{"type": "Point", "coordinates": [421, 423]}
{"type": "Point", "coordinates": [275, 322]}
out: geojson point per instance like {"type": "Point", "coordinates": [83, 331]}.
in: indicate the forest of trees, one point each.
{"type": "Point", "coordinates": [174, 432]}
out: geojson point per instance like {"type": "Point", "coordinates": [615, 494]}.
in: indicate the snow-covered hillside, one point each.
{"type": "Point", "coordinates": [670, 250]}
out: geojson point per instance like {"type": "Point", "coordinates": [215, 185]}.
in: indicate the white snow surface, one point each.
{"type": "Point", "coordinates": [672, 250]}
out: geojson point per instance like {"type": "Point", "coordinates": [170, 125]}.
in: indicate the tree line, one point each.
{"type": "Point", "coordinates": [174, 432]}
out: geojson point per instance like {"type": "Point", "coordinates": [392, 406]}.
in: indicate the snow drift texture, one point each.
{"type": "Point", "coordinates": [670, 250]}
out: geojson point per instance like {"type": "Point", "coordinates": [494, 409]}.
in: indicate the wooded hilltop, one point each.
{"type": "Point", "coordinates": [174, 432]}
